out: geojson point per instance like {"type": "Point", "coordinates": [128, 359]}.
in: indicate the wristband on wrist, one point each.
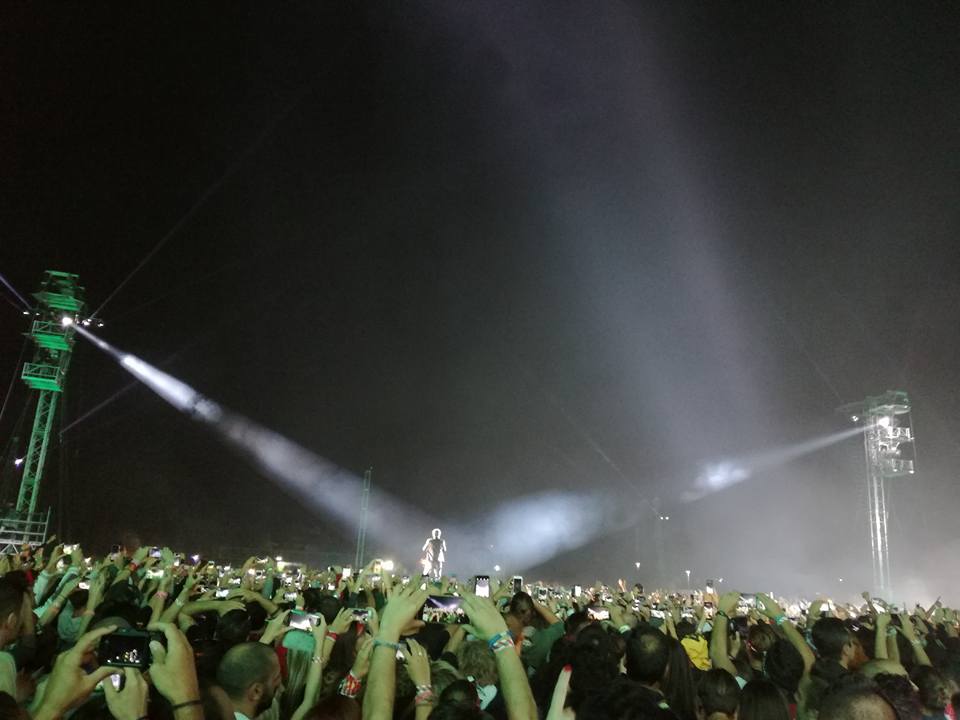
{"type": "Point", "coordinates": [378, 643]}
{"type": "Point", "coordinates": [188, 703]}
{"type": "Point", "coordinates": [780, 619]}
{"type": "Point", "coordinates": [501, 641]}
{"type": "Point", "coordinates": [721, 614]}
{"type": "Point", "coordinates": [132, 567]}
{"type": "Point", "coordinates": [332, 635]}
{"type": "Point", "coordinates": [351, 685]}
{"type": "Point", "coordinates": [424, 696]}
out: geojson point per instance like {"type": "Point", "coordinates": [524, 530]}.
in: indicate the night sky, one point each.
{"type": "Point", "coordinates": [495, 248]}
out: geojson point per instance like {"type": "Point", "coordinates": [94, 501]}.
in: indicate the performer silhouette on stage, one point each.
{"type": "Point", "coordinates": [435, 548]}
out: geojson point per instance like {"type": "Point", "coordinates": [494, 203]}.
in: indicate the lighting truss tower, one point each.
{"type": "Point", "coordinates": [888, 444]}
{"type": "Point", "coordinates": [59, 295]}
{"type": "Point", "coordinates": [362, 529]}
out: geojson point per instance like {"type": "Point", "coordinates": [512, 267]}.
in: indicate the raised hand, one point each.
{"type": "Point", "coordinates": [69, 684]}
{"type": "Point", "coordinates": [485, 620]}
{"type": "Point", "coordinates": [400, 611]}
{"type": "Point", "coordinates": [130, 702]}
{"type": "Point", "coordinates": [173, 672]}
{"type": "Point", "coordinates": [417, 663]}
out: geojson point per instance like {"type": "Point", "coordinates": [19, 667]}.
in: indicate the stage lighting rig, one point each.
{"type": "Point", "coordinates": [888, 443]}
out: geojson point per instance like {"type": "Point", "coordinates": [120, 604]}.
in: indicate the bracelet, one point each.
{"type": "Point", "coordinates": [377, 642]}
{"type": "Point", "coordinates": [917, 642]}
{"type": "Point", "coordinates": [721, 614]}
{"type": "Point", "coordinates": [351, 685]}
{"type": "Point", "coordinates": [317, 659]}
{"type": "Point", "coordinates": [132, 567]}
{"type": "Point", "coordinates": [780, 619]}
{"type": "Point", "coordinates": [332, 635]}
{"type": "Point", "coordinates": [501, 641]}
{"type": "Point", "coordinates": [424, 696]}
{"type": "Point", "coordinates": [188, 703]}
{"type": "Point", "coordinates": [892, 632]}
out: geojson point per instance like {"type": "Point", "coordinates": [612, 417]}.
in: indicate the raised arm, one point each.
{"type": "Point", "coordinates": [488, 624]}
{"type": "Point", "coordinates": [775, 613]}
{"type": "Point", "coordinates": [719, 655]}
{"type": "Point", "coordinates": [382, 679]}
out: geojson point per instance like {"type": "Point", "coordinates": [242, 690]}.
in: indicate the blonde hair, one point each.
{"type": "Point", "coordinates": [476, 659]}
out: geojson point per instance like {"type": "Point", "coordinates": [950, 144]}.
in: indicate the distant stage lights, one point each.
{"type": "Point", "coordinates": [18, 462]}
{"type": "Point", "coordinates": [884, 421]}
{"type": "Point", "coordinates": [66, 321]}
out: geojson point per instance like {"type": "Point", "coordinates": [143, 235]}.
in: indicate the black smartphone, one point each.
{"type": "Point", "coordinates": [517, 584]}
{"type": "Point", "coordinates": [125, 648]}
{"type": "Point", "coordinates": [481, 586]}
{"type": "Point", "coordinates": [155, 552]}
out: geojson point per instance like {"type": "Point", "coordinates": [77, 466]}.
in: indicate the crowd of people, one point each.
{"type": "Point", "coordinates": [145, 633]}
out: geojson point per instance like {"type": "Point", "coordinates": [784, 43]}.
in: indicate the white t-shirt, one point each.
{"type": "Point", "coordinates": [8, 674]}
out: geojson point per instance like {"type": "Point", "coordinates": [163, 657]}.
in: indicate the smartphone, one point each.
{"type": "Point", "coordinates": [517, 584]}
{"type": "Point", "coordinates": [542, 593]}
{"type": "Point", "coordinates": [362, 614]}
{"type": "Point", "coordinates": [125, 648]}
{"type": "Point", "coordinates": [443, 609]}
{"type": "Point", "coordinates": [377, 567]}
{"type": "Point", "coordinates": [302, 621]}
{"type": "Point", "coordinates": [375, 579]}
{"type": "Point", "coordinates": [154, 574]}
{"type": "Point", "coordinates": [114, 549]}
{"type": "Point", "coordinates": [155, 552]}
{"type": "Point", "coordinates": [347, 572]}
{"type": "Point", "coordinates": [481, 586]}
{"type": "Point", "coordinates": [68, 549]}
{"type": "Point", "coordinates": [598, 613]}
{"type": "Point", "coordinates": [657, 614]}
{"type": "Point", "coordinates": [577, 590]}
{"type": "Point", "coordinates": [405, 580]}
{"type": "Point", "coordinates": [290, 597]}
{"type": "Point", "coordinates": [235, 581]}
{"type": "Point", "coordinates": [84, 585]}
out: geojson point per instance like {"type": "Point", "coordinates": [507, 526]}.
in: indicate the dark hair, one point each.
{"type": "Point", "coordinates": [718, 691]}
{"type": "Point", "coordinates": [623, 699]}
{"type": "Point", "coordinates": [855, 702]}
{"type": "Point", "coordinates": [521, 603]}
{"type": "Point", "coordinates": [595, 664]}
{"type": "Point", "coordinates": [233, 627]}
{"type": "Point", "coordinates": [335, 707]}
{"type": "Point", "coordinates": [679, 686]}
{"type": "Point", "coordinates": [11, 595]}
{"type": "Point", "coordinates": [762, 700]}
{"type": "Point", "coordinates": [783, 665]}
{"type": "Point", "coordinates": [931, 687]}
{"type": "Point", "coordinates": [829, 637]}
{"type": "Point", "coordinates": [647, 655]}
{"type": "Point", "coordinates": [898, 691]}
{"type": "Point", "coordinates": [243, 665]}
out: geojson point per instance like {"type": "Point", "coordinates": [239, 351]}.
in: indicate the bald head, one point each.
{"type": "Point", "coordinates": [244, 665]}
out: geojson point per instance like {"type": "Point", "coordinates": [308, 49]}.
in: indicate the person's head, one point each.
{"type": "Point", "coordinates": [13, 599]}
{"type": "Point", "coordinates": [783, 666]}
{"type": "Point", "coordinates": [897, 690]}
{"type": "Point", "coordinates": [250, 675]}
{"type": "Point", "coordinates": [718, 695]}
{"type": "Point", "coordinates": [334, 707]}
{"type": "Point", "coordinates": [233, 627]}
{"type": "Point", "coordinates": [762, 700]}
{"type": "Point", "coordinates": [476, 660]}
{"type": "Point", "coordinates": [932, 688]}
{"type": "Point", "coordinates": [435, 533]}
{"type": "Point", "coordinates": [833, 641]}
{"type": "Point", "coordinates": [129, 543]}
{"type": "Point", "coordinates": [856, 703]}
{"type": "Point", "coordinates": [760, 638]}
{"type": "Point", "coordinates": [521, 607]}
{"type": "Point", "coordinates": [648, 655]}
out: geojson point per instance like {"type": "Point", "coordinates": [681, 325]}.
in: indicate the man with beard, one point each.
{"type": "Point", "coordinates": [250, 675]}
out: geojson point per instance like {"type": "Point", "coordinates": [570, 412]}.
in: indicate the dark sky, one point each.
{"type": "Point", "coordinates": [495, 248]}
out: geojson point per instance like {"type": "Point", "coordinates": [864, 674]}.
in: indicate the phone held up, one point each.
{"type": "Point", "coordinates": [126, 648]}
{"type": "Point", "coordinates": [481, 586]}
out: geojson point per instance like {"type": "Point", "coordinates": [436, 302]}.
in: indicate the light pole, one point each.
{"type": "Point", "coordinates": [688, 578]}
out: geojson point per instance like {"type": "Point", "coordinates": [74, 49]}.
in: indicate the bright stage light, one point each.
{"type": "Point", "coordinates": [496, 568]}
{"type": "Point", "coordinates": [18, 462]}
{"type": "Point", "coordinates": [884, 421]}
{"type": "Point", "coordinates": [387, 565]}
{"type": "Point", "coordinates": [66, 321]}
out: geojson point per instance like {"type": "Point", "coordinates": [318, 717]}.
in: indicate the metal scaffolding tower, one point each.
{"type": "Point", "coordinates": [362, 529]}
{"type": "Point", "coordinates": [888, 444]}
{"type": "Point", "coordinates": [59, 295]}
